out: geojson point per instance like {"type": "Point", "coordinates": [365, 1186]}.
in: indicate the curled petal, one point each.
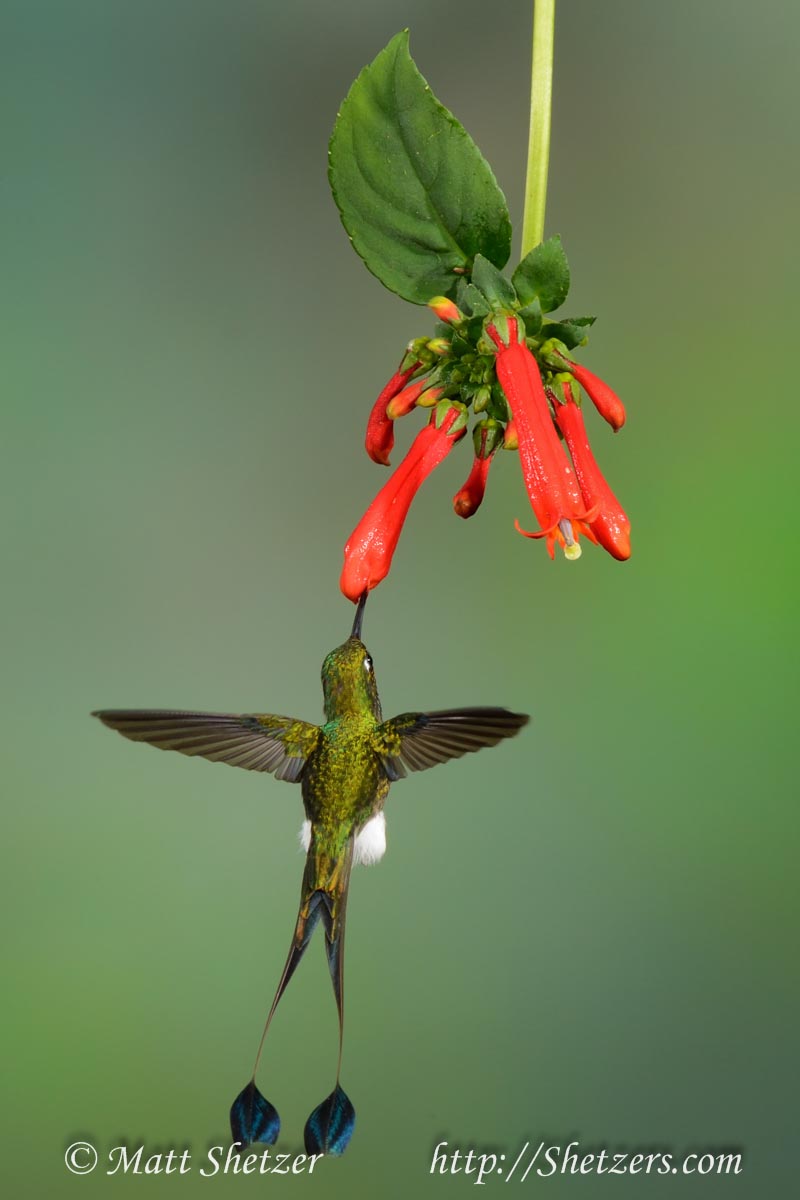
{"type": "Point", "coordinates": [565, 533]}
{"type": "Point", "coordinates": [536, 533]}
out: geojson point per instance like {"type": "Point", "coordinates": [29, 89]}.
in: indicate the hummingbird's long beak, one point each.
{"type": "Point", "coordinates": [359, 615]}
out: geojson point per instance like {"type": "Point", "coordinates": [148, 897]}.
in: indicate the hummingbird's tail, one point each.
{"type": "Point", "coordinates": [329, 1128]}
{"type": "Point", "coordinates": [323, 896]}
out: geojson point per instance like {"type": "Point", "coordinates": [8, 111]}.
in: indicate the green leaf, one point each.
{"type": "Point", "coordinates": [532, 316]}
{"type": "Point", "coordinates": [491, 284]}
{"type": "Point", "coordinates": [414, 192]}
{"type": "Point", "coordinates": [544, 275]}
{"type": "Point", "coordinates": [461, 297]}
{"type": "Point", "coordinates": [470, 300]}
{"type": "Point", "coordinates": [572, 331]}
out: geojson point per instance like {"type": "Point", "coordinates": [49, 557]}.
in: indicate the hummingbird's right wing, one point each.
{"type": "Point", "coordinates": [255, 741]}
{"type": "Point", "coordinates": [420, 740]}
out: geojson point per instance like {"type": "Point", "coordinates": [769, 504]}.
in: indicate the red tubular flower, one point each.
{"type": "Point", "coordinates": [551, 483]}
{"type": "Point", "coordinates": [610, 526]}
{"type": "Point", "coordinates": [371, 545]}
{"type": "Point", "coordinates": [606, 401]}
{"type": "Point", "coordinates": [487, 436]}
{"type": "Point", "coordinates": [380, 430]}
{"type": "Point", "coordinates": [469, 498]}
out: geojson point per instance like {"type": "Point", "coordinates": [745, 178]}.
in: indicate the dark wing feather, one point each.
{"type": "Point", "coordinates": [417, 741]}
{"type": "Point", "coordinates": [254, 741]}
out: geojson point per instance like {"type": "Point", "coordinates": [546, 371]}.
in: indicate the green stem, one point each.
{"type": "Point", "coordinates": [539, 135]}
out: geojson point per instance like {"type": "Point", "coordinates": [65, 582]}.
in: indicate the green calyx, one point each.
{"type": "Point", "coordinates": [564, 388]}
{"type": "Point", "coordinates": [441, 411]}
{"type": "Point", "coordinates": [487, 435]}
{"type": "Point", "coordinates": [553, 354]}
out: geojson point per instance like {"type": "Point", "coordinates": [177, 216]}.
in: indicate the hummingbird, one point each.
{"type": "Point", "coordinates": [345, 768]}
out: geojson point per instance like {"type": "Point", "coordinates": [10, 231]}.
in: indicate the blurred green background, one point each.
{"type": "Point", "coordinates": [588, 933]}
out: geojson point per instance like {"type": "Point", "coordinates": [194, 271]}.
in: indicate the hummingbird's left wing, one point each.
{"type": "Point", "coordinates": [255, 741]}
{"type": "Point", "coordinates": [420, 740]}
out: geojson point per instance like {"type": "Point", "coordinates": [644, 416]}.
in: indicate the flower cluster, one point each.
{"type": "Point", "coordinates": [499, 358]}
{"type": "Point", "coordinates": [567, 498]}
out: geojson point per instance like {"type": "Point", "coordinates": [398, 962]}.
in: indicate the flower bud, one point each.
{"type": "Point", "coordinates": [510, 438]}
{"type": "Point", "coordinates": [430, 397]}
{"type": "Point", "coordinates": [482, 399]}
{"type": "Point", "coordinates": [606, 401]}
{"type": "Point", "coordinates": [402, 404]}
{"type": "Point", "coordinates": [445, 310]}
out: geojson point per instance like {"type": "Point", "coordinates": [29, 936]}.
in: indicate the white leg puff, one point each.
{"type": "Point", "coordinates": [370, 844]}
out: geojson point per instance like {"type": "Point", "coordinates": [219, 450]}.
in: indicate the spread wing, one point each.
{"type": "Point", "coordinates": [255, 741]}
{"type": "Point", "coordinates": [417, 741]}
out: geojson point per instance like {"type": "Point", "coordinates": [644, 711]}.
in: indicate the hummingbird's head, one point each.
{"type": "Point", "coordinates": [348, 681]}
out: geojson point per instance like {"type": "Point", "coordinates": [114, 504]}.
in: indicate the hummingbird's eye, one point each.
{"type": "Point", "coordinates": [368, 663]}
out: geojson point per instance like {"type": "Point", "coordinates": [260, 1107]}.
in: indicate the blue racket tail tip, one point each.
{"type": "Point", "coordinates": [330, 1127]}
{"type": "Point", "coordinates": [253, 1118]}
